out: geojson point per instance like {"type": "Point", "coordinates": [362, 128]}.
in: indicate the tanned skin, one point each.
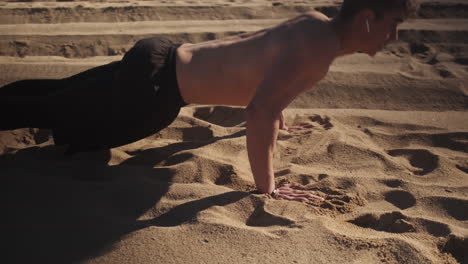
{"type": "Point", "coordinates": [266, 70]}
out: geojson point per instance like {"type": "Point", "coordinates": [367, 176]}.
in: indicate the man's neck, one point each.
{"type": "Point", "coordinates": [344, 36]}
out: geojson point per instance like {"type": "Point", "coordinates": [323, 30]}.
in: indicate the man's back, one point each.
{"type": "Point", "coordinates": [228, 71]}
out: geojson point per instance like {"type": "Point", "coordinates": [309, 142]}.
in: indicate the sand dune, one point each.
{"type": "Point", "coordinates": [388, 147]}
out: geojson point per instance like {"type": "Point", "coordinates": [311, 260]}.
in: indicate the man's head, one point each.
{"type": "Point", "coordinates": [374, 22]}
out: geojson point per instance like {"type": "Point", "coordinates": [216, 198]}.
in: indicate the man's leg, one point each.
{"type": "Point", "coordinates": [39, 87]}
{"type": "Point", "coordinates": [25, 103]}
{"type": "Point", "coordinates": [48, 103]}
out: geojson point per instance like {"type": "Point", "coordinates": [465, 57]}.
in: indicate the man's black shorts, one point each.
{"type": "Point", "coordinates": [121, 102]}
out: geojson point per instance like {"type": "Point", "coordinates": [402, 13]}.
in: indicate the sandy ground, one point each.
{"type": "Point", "coordinates": [388, 147]}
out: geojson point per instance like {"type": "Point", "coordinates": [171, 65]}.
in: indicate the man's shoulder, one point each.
{"type": "Point", "coordinates": [313, 37]}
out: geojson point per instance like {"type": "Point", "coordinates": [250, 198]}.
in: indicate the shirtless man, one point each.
{"type": "Point", "coordinates": [263, 71]}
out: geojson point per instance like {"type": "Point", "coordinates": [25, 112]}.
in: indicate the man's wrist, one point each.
{"type": "Point", "coordinates": [272, 194]}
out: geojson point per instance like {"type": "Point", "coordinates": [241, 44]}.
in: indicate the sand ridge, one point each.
{"type": "Point", "coordinates": [387, 146]}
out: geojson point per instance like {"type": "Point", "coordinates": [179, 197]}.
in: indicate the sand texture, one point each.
{"type": "Point", "coordinates": [388, 147]}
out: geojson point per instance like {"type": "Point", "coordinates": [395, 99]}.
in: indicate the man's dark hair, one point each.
{"type": "Point", "coordinates": [349, 8]}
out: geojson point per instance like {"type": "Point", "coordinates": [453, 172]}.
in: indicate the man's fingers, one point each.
{"type": "Point", "coordinates": [283, 196]}
{"type": "Point", "coordinates": [296, 192]}
{"type": "Point", "coordinates": [288, 197]}
{"type": "Point", "coordinates": [290, 186]}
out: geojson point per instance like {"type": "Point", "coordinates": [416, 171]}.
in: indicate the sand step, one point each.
{"type": "Point", "coordinates": [443, 9]}
{"type": "Point", "coordinates": [434, 30]}
{"type": "Point", "coordinates": [195, 26]}
{"type": "Point", "coordinates": [141, 27]}
{"type": "Point", "coordinates": [343, 87]}
{"type": "Point", "coordinates": [67, 12]}
{"type": "Point", "coordinates": [108, 39]}
{"type": "Point", "coordinates": [147, 11]}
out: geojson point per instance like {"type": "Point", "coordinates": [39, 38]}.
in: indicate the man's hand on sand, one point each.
{"type": "Point", "coordinates": [301, 126]}
{"type": "Point", "coordinates": [295, 193]}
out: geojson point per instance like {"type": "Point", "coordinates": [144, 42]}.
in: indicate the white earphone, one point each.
{"type": "Point", "coordinates": [368, 27]}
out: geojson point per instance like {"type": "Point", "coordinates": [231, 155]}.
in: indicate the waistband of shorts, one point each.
{"type": "Point", "coordinates": [170, 76]}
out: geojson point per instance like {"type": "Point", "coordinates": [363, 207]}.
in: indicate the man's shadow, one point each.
{"type": "Point", "coordinates": [66, 210]}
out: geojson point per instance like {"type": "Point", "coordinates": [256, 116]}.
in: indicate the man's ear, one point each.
{"type": "Point", "coordinates": [365, 14]}
{"type": "Point", "coordinates": [364, 20]}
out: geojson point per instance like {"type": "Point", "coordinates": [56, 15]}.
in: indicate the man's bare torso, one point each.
{"type": "Point", "coordinates": [229, 70]}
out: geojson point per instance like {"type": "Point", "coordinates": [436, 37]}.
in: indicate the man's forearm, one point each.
{"type": "Point", "coordinates": [262, 131]}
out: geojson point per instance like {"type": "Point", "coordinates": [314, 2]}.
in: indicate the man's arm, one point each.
{"type": "Point", "coordinates": [281, 85]}
{"type": "Point", "coordinates": [262, 131]}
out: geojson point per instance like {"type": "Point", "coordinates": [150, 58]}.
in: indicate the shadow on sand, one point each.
{"type": "Point", "coordinates": [64, 210]}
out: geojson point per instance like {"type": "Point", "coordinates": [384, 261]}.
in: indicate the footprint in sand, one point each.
{"type": "Point", "coordinates": [393, 183]}
{"type": "Point", "coordinates": [435, 228]}
{"type": "Point", "coordinates": [453, 207]}
{"type": "Point", "coordinates": [400, 199]}
{"type": "Point", "coordinates": [314, 123]}
{"type": "Point", "coordinates": [396, 222]}
{"type": "Point", "coordinates": [455, 141]}
{"type": "Point", "coordinates": [421, 51]}
{"type": "Point", "coordinates": [318, 122]}
{"type": "Point", "coordinates": [462, 168]}
{"type": "Point", "coordinates": [323, 121]}
{"type": "Point", "coordinates": [338, 201]}
{"type": "Point", "coordinates": [423, 160]}
{"type": "Point", "coordinates": [458, 247]}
